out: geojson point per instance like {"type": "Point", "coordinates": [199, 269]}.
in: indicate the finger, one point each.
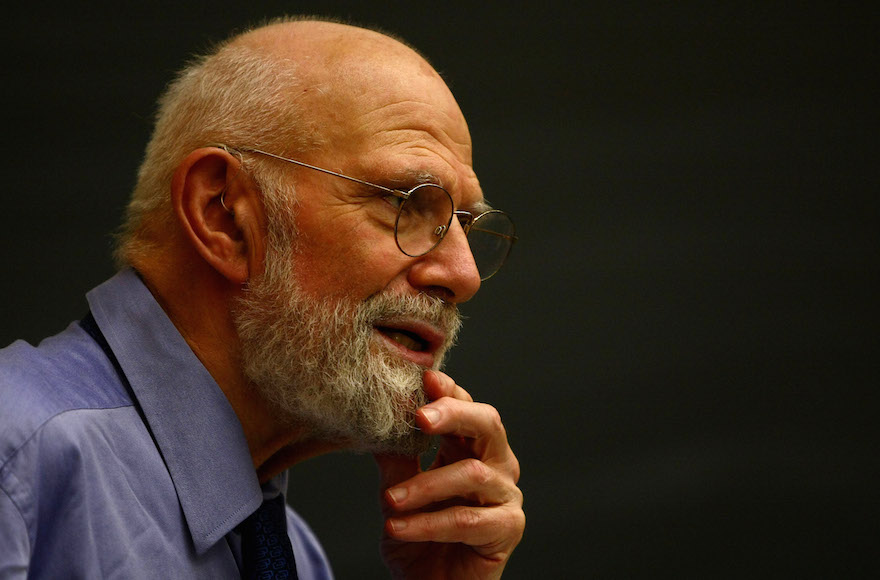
{"type": "Point", "coordinates": [468, 430]}
{"type": "Point", "coordinates": [438, 385]}
{"type": "Point", "coordinates": [492, 532]}
{"type": "Point", "coordinates": [469, 479]}
{"type": "Point", "coordinates": [478, 422]}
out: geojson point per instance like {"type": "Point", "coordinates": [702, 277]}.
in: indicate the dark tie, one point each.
{"type": "Point", "coordinates": [266, 553]}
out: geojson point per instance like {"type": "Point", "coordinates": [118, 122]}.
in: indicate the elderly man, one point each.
{"type": "Point", "coordinates": [305, 222]}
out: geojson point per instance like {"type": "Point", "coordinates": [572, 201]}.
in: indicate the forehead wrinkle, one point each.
{"type": "Point", "coordinates": [451, 174]}
{"type": "Point", "coordinates": [413, 115]}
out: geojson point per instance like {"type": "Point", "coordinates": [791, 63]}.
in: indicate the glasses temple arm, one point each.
{"type": "Point", "coordinates": [396, 192]}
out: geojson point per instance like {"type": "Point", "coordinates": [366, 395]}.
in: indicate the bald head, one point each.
{"type": "Point", "coordinates": [294, 87]}
{"type": "Point", "coordinates": [343, 71]}
{"type": "Point", "coordinates": [325, 42]}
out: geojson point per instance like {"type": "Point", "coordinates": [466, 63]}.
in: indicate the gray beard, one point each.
{"type": "Point", "coordinates": [321, 365]}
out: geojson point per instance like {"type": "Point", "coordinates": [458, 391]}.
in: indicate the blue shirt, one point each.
{"type": "Point", "coordinates": [103, 479]}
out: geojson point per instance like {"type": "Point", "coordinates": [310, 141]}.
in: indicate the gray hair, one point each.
{"type": "Point", "coordinates": [237, 95]}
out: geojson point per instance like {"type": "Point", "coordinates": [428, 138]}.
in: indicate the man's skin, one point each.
{"type": "Point", "coordinates": [383, 114]}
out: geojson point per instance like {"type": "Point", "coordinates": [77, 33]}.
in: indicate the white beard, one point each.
{"type": "Point", "coordinates": [323, 366]}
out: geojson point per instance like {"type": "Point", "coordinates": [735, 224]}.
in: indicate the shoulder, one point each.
{"type": "Point", "coordinates": [50, 398]}
{"type": "Point", "coordinates": [66, 372]}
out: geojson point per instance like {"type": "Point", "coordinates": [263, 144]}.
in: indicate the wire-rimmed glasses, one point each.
{"type": "Point", "coordinates": [424, 214]}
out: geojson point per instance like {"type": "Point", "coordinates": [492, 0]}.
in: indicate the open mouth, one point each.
{"type": "Point", "coordinates": [414, 340]}
{"type": "Point", "coordinates": [405, 338]}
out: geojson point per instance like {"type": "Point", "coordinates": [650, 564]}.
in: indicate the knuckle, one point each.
{"type": "Point", "coordinates": [514, 469]}
{"type": "Point", "coordinates": [518, 524]}
{"type": "Point", "coordinates": [519, 498]}
{"type": "Point", "coordinates": [513, 497]}
{"type": "Point", "coordinates": [513, 521]}
{"type": "Point", "coordinates": [477, 471]}
{"type": "Point", "coordinates": [466, 518]}
{"type": "Point", "coordinates": [493, 418]}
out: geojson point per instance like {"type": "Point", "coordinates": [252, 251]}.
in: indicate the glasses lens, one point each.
{"type": "Point", "coordinates": [491, 236]}
{"type": "Point", "coordinates": [423, 219]}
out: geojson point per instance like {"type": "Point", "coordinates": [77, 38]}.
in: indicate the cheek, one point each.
{"type": "Point", "coordinates": [347, 265]}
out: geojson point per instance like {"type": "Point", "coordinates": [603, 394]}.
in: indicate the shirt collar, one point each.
{"type": "Point", "coordinates": [194, 426]}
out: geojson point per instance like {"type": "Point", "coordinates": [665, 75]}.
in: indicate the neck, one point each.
{"type": "Point", "coordinates": [199, 304]}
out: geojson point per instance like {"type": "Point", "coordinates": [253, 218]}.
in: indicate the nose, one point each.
{"type": "Point", "coordinates": [449, 270]}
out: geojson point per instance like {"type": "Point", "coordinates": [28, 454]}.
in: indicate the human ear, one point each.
{"type": "Point", "coordinates": [218, 211]}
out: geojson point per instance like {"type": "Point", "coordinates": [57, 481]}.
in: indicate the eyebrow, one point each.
{"type": "Point", "coordinates": [481, 206]}
{"type": "Point", "coordinates": [412, 177]}
{"type": "Point", "coordinates": [418, 177]}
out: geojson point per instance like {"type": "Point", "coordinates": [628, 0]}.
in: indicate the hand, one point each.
{"type": "Point", "coordinates": [462, 517]}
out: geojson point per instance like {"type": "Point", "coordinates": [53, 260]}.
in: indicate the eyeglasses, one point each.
{"type": "Point", "coordinates": [424, 215]}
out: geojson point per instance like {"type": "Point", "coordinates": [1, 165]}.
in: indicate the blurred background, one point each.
{"type": "Point", "coordinates": [684, 343]}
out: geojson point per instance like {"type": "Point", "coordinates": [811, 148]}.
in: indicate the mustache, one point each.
{"type": "Point", "coordinates": [430, 309]}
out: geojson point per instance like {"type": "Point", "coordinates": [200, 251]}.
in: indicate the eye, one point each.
{"type": "Point", "coordinates": [394, 200]}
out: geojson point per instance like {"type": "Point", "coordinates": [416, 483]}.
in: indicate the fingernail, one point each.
{"type": "Point", "coordinates": [432, 415]}
{"type": "Point", "coordinates": [397, 525]}
{"type": "Point", "coordinates": [398, 494]}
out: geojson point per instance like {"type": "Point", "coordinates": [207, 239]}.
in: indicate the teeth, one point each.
{"type": "Point", "coordinates": [404, 340]}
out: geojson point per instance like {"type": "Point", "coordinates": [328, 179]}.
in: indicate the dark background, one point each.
{"type": "Point", "coordinates": [684, 344]}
